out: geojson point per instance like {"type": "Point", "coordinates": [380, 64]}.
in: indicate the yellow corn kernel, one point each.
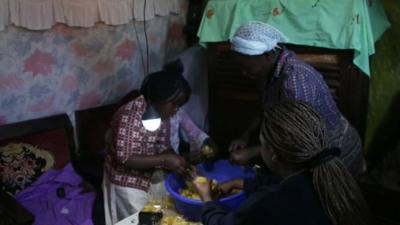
{"type": "Point", "coordinates": [201, 180]}
{"type": "Point", "coordinates": [207, 150]}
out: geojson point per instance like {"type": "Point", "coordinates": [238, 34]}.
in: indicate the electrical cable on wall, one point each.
{"type": "Point", "coordinates": [146, 40]}
{"type": "Point", "coordinates": [140, 48]}
{"type": "Point", "coordinates": [145, 66]}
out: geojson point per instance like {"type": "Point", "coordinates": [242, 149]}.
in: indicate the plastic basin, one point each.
{"type": "Point", "coordinates": [221, 171]}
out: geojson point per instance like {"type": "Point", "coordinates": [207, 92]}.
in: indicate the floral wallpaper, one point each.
{"type": "Point", "coordinates": [65, 69]}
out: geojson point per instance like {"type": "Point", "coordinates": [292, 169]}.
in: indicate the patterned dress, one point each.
{"type": "Point", "coordinates": [129, 138]}
{"type": "Point", "coordinates": [125, 190]}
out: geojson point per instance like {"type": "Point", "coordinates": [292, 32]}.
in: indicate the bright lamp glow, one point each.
{"type": "Point", "coordinates": [151, 124]}
{"type": "Point", "coordinates": [151, 119]}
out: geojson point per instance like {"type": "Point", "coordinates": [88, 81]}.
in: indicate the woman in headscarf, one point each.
{"type": "Point", "coordinates": [258, 50]}
{"type": "Point", "coordinates": [309, 185]}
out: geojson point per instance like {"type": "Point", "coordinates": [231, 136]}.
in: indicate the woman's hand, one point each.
{"type": "Point", "coordinates": [227, 187]}
{"type": "Point", "coordinates": [243, 141]}
{"type": "Point", "coordinates": [244, 156]}
{"type": "Point", "coordinates": [204, 190]}
{"type": "Point", "coordinates": [241, 157]}
{"type": "Point", "coordinates": [174, 162]}
{"type": "Point", "coordinates": [238, 144]}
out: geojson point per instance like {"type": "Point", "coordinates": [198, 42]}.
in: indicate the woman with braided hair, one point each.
{"type": "Point", "coordinates": [309, 186]}
{"type": "Point", "coordinates": [259, 50]}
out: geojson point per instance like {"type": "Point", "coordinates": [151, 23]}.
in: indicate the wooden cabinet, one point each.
{"type": "Point", "coordinates": [233, 98]}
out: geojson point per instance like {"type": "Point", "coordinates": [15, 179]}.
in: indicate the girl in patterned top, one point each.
{"type": "Point", "coordinates": [134, 152]}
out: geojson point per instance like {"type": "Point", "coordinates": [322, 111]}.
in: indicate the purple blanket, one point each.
{"type": "Point", "coordinates": [71, 208]}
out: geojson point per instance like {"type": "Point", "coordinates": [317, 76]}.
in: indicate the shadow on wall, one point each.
{"type": "Point", "coordinates": [384, 152]}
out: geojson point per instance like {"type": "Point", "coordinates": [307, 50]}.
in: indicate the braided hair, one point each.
{"type": "Point", "coordinates": [165, 85]}
{"type": "Point", "coordinates": [296, 133]}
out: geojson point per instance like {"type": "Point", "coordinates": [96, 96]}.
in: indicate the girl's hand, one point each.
{"type": "Point", "coordinates": [194, 157]}
{"type": "Point", "coordinates": [209, 148]}
{"type": "Point", "coordinates": [174, 162]}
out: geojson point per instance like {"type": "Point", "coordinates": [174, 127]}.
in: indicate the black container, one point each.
{"type": "Point", "coordinates": [150, 218]}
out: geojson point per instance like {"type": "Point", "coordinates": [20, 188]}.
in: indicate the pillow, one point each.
{"type": "Point", "coordinates": [22, 164]}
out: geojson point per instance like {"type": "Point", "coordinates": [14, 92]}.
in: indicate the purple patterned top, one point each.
{"type": "Point", "coordinates": [295, 79]}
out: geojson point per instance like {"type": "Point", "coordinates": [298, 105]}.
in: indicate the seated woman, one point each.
{"type": "Point", "coordinates": [257, 47]}
{"type": "Point", "coordinates": [310, 185]}
{"type": "Point", "coordinates": [135, 152]}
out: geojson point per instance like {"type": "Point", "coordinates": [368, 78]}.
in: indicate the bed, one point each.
{"type": "Point", "coordinates": [37, 169]}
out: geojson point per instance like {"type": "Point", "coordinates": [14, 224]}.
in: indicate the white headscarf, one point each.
{"type": "Point", "coordinates": [255, 38]}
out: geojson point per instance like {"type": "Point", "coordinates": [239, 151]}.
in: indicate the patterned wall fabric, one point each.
{"type": "Point", "coordinates": [43, 14]}
{"type": "Point", "coordinates": [66, 69]}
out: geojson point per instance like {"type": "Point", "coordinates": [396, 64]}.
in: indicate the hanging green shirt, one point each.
{"type": "Point", "coordinates": [340, 24]}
